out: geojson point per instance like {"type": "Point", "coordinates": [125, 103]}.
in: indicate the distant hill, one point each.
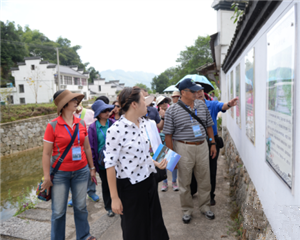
{"type": "Point", "coordinates": [129, 78]}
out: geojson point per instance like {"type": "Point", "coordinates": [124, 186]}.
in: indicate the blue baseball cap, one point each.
{"type": "Point", "coordinates": [100, 106]}
{"type": "Point", "coordinates": [190, 84]}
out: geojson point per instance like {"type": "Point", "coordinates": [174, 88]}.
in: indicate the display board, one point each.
{"type": "Point", "coordinates": [280, 94]}
{"type": "Point", "coordinates": [238, 94]}
{"type": "Point", "coordinates": [231, 93]}
{"type": "Point", "coordinates": [250, 94]}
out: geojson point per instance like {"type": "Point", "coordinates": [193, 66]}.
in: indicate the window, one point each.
{"type": "Point", "coordinates": [83, 81]}
{"type": "Point", "coordinates": [22, 100]}
{"type": "Point", "coordinates": [68, 80]}
{"type": "Point", "coordinates": [32, 67]}
{"type": "Point", "coordinates": [99, 88]}
{"type": "Point", "coordinates": [21, 88]}
{"type": "Point", "coordinates": [76, 81]}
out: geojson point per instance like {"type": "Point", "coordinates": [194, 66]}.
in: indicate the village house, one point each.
{"type": "Point", "coordinates": [36, 81]}
{"type": "Point", "coordinates": [109, 89]}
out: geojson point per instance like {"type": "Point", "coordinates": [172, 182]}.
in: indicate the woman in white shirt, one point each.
{"type": "Point", "coordinates": [130, 170]}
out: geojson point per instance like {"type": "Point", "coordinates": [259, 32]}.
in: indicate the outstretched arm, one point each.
{"type": "Point", "coordinates": [231, 103]}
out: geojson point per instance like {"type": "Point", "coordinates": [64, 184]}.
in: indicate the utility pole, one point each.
{"type": "Point", "coordinates": [58, 73]}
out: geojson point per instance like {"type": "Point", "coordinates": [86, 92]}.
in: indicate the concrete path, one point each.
{"type": "Point", "coordinates": [35, 223]}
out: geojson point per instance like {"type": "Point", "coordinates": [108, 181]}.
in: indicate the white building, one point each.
{"type": "Point", "coordinates": [109, 89]}
{"type": "Point", "coordinates": [36, 81]}
{"type": "Point", "coordinates": [261, 67]}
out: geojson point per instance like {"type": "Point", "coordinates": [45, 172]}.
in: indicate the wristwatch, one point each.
{"type": "Point", "coordinates": [92, 168]}
{"type": "Point", "coordinates": [162, 119]}
{"type": "Point", "coordinates": [213, 143]}
{"type": "Point", "coordinates": [228, 105]}
{"type": "Point", "coordinates": [210, 139]}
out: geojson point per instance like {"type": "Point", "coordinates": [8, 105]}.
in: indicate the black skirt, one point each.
{"type": "Point", "coordinates": [142, 216]}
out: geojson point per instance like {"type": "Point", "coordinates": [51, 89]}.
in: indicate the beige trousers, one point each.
{"type": "Point", "coordinates": [195, 158]}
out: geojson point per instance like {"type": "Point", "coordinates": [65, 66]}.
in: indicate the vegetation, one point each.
{"type": "Point", "coordinates": [237, 12]}
{"type": "Point", "coordinates": [193, 57]}
{"type": "Point", "coordinates": [23, 111]}
{"type": "Point", "coordinates": [23, 202]}
{"type": "Point", "coordinates": [17, 43]}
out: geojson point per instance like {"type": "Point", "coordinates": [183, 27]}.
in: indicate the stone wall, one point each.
{"type": "Point", "coordinates": [244, 197]}
{"type": "Point", "coordinates": [23, 134]}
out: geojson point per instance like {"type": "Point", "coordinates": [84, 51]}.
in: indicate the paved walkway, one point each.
{"type": "Point", "coordinates": [35, 223]}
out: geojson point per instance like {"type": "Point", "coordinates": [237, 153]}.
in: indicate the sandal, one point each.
{"type": "Point", "coordinates": [92, 238]}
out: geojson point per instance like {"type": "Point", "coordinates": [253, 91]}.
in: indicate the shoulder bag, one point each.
{"type": "Point", "coordinates": [43, 195]}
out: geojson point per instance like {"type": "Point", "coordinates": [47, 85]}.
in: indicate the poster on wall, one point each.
{"type": "Point", "coordinates": [250, 95]}
{"type": "Point", "coordinates": [231, 93]}
{"type": "Point", "coordinates": [280, 93]}
{"type": "Point", "coordinates": [238, 94]}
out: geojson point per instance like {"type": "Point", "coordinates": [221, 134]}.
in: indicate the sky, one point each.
{"type": "Point", "coordinates": [139, 35]}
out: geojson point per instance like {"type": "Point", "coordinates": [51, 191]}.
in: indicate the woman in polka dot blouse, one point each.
{"type": "Point", "coordinates": [130, 170]}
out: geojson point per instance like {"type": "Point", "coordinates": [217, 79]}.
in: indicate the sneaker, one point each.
{"type": "Point", "coordinates": [164, 187]}
{"type": "Point", "coordinates": [110, 213]}
{"type": "Point", "coordinates": [175, 187]}
{"type": "Point", "coordinates": [70, 203]}
{"type": "Point", "coordinates": [94, 198]}
{"type": "Point", "coordinates": [186, 219]}
{"type": "Point", "coordinates": [209, 215]}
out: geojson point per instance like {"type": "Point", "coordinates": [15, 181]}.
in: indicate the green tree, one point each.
{"type": "Point", "coordinates": [11, 51]}
{"type": "Point", "coordinates": [94, 74]}
{"type": "Point", "coordinates": [143, 86]}
{"type": "Point", "coordinates": [160, 83]}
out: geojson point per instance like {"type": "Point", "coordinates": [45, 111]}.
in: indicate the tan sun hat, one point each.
{"type": "Point", "coordinates": [149, 100]}
{"type": "Point", "coordinates": [175, 94]}
{"type": "Point", "coordinates": [162, 98]}
{"type": "Point", "coordinates": [66, 96]}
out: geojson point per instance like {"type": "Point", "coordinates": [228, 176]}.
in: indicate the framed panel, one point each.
{"type": "Point", "coordinates": [238, 94]}
{"type": "Point", "coordinates": [250, 94]}
{"type": "Point", "coordinates": [280, 97]}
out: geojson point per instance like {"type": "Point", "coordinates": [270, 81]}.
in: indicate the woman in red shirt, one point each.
{"type": "Point", "coordinates": [74, 170]}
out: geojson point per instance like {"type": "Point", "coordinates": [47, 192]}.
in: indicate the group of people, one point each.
{"type": "Point", "coordinates": [118, 141]}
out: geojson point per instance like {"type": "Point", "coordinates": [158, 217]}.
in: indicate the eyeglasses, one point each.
{"type": "Point", "coordinates": [117, 106]}
{"type": "Point", "coordinates": [106, 110]}
{"type": "Point", "coordinates": [189, 90]}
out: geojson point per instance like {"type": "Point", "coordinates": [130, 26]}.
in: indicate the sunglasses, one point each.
{"type": "Point", "coordinates": [175, 97]}
{"type": "Point", "coordinates": [74, 99]}
{"type": "Point", "coordinates": [164, 101]}
{"type": "Point", "coordinates": [189, 90]}
{"type": "Point", "coordinates": [117, 106]}
{"type": "Point", "coordinates": [106, 110]}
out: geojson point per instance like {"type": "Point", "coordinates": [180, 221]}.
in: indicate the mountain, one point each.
{"type": "Point", "coordinates": [129, 78]}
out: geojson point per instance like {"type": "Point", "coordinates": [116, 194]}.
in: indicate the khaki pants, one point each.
{"type": "Point", "coordinates": [193, 157]}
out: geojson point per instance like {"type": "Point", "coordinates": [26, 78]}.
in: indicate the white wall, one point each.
{"type": "Point", "coordinates": [45, 80]}
{"type": "Point", "coordinates": [281, 204]}
{"type": "Point", "coordinates": [106, 89]}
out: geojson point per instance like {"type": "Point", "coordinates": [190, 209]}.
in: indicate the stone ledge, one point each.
{"type": "Point", "coordinates": [243, 193]}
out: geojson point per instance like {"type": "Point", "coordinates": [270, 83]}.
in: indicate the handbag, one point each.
{"type": "Point", "coordinates": [219, 141]}
{"type": "Point", "coordinates": [43, 195]}
{"type": "Point", "coordinates": [101, 152]}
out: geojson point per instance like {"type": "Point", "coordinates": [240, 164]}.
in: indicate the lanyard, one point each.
{"type": "Point", "coordinates": [147, 114]}
{"type": "Point", "coordinates": [71, 135]}
{"type": "Point", "coordinates": [102, 132]}
{"type": "Point", "coordinates": [190, 114]}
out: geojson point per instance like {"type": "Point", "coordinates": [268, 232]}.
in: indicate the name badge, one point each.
{"type": "Point", "coordinates": [76, 153]}
{"type": "Point", "coordinates": [197, 130]}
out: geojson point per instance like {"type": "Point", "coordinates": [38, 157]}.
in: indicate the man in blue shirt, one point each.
{"type": "Point", "coordinates": [214, 108]}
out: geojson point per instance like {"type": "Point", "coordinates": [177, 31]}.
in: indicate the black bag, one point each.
{"type": "Point", "coordinates": [160, 175]}
{"type": "Point", "coordinates": [219, 141]}
{"type": "Point", "coordinates": [101, 153]}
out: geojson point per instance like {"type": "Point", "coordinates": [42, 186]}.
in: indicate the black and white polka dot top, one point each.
{"type": "Point", "coordinates": [127, 149]}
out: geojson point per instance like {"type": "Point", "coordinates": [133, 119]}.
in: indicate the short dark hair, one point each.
{"type": "Point", "coordinates": [114, 102]}
{"type": "Point", "coordinates": [103, 98]}
{"type": "Point", "coordinates": [127, 96]}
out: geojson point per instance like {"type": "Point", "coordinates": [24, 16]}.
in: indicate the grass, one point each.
{"type": "Point", "coordinates": [236, 223]}
{"type": "Point", "coordinates": [23, 202]}
{"type": "Point", "coordinates": [23, 111]}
